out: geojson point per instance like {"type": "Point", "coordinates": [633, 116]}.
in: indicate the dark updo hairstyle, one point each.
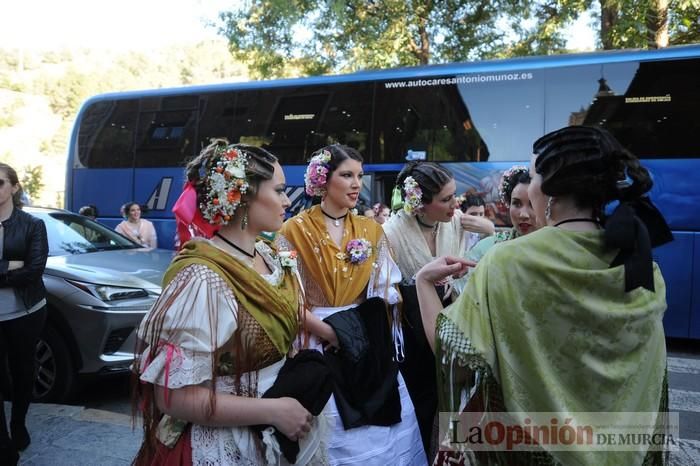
{"type": "Point", "coordinates": [14, 181]}
{"type": "Point", "coordinates": [430, 176]}
{"type": "Point", "coordinates": [472, 200]}
{"type": "Point", "coordinates": [512, 178]}
{"type": "Point", "coordinates": [260, 167]}
{"type": "Point", "coordinates": [339, 154]}
{"type": "Point", "coordinates": [125, 208]}
{"type": "Point", "coordinates": [590, 166]}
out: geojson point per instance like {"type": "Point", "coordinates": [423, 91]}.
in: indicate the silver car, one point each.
{"type": "Point", "coordinates": [99, 286]}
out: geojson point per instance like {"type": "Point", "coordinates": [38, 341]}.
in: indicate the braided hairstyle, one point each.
{"type": "Point", "coordinates": [260, 167]}
{"type": "Point", "coordinates": [589, 165]}
{"type": "Point", "coordinates": [339, 154]}
{"type": "Point", "coordinates": [430, 176]}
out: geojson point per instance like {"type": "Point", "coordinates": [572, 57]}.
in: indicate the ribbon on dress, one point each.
{"type": "Point", "coordinates": [189, 219]}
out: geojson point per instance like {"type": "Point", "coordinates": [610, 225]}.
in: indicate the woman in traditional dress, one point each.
{"type": "Point", "coordinates": [427, 226]}
{"type": "Point", "coordinates": [513, 193]}
{"type": "Point", "coordinates": [220, 331]}
{"type": "Point", "coordinates": [345, 260]}
{"type": "Point", "coordinates": [568, 319]}
{"type": "Point", "coordinates": [136, 228]}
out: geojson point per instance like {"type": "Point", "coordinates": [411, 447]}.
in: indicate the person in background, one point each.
{"type": "Point", "coordinates": [346, 264]}
{"type": "Point", "coordinates": [381, 213]}
{"type": "Point", "coordinates": [368, 212]}
{"type": "Point", "coordinates": [567, 319]}
{"type": "Point", "coordinates": [89, 211]}
{"type": "Point", "coordinates": [23, 253]}
{"type": "Point", "coordinates": [136, 228]}
{"type": "Point", "coordinates": [219, 335]}
{"type": "Point", "coordinates": [474, 220]}
{"type": "Point", "coordinates": [427, 226]}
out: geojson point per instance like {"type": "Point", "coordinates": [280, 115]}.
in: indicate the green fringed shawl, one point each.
{"type": "Point", "coordinates": [544, 325]}
{"type": "Point", "coordinates": [273, 307]}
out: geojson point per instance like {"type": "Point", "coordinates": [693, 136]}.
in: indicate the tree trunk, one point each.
{"type": "Point", "coordinates": [608, 18]}
{"type": "Point", "coordinates": [657, 24]}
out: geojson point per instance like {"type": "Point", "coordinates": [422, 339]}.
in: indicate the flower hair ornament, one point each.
{"type": "Point", "coordinates": [507, 180]}
{"type": "Point", "coordinates": [224, 184]}
{"type": "Point", "coordinates": [316, 175]}
{"type": "Point", "coordinates": [413, 196]}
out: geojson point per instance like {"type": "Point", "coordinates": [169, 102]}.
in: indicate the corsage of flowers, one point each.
{"type": "Point", "coordinates": [224, 183]}
{"type": "Point", "coordinates": [288, 259]}
{"type": "Point", "coordinates": [358, 250]}
{"type": "Point", "coordinates": [316, 175]}
{"type": "Point", "coordinates": [413, 196]}
{"type": "Point", "coordinates": [506, 187]}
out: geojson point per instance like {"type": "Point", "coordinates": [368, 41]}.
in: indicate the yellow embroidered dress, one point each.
{"type": "Point", "coordinates": [333, 283]}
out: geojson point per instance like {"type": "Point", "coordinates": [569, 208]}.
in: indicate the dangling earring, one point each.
{"type": "Point", "coordinates": [548, 209]}
{"type": "Point", "coordinates": [244, 221]}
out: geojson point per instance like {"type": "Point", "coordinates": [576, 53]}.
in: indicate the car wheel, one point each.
{"type": "Point", "coordinates": [55, 373]}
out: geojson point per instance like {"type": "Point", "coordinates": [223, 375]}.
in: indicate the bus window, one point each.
{"type": "Point", "coordinates": [348, 117]}
{"type": "Point", "coordinates": [106, 135]}
{"type": "Point", "coordinates": [648, 106]}
{"type": "Point", "coordinates": [165, 135]}
{"type": "Point", "coordinates": [217, 112]}
{"type": "Point", "coordinates": [506, 110]}
{"type": "Point", "coordinates": [422, 120]}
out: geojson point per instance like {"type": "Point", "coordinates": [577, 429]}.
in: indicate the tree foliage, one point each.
{"type": "Point", "coordinates": [278, 38]}
{"type": "Point", "coordinates": [32, 181]}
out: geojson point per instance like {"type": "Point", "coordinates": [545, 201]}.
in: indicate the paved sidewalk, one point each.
{"type": "Point", "coordinates": [75, 436]}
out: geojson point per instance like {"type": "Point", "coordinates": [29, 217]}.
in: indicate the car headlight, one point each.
{"type": "Point", "coordinates": [108, 293]}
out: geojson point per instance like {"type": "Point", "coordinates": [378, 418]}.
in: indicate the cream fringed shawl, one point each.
{"type": "Point", "coordinates": [410, 249]}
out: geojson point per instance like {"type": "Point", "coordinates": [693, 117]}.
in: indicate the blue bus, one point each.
{"type": "Point", "coordinates": [477, 118]}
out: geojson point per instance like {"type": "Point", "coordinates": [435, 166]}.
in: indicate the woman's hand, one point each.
{"type": "Point", "coordinates": [292, 419]}
{"type": "Point", "coordinates": [14, 265]}
{"type": "Point", "coordinates": [475, 224]}
{"type": "Point", "coordinates": [443, 267]}
{"type": "Point", "coordinates": [330, 337]}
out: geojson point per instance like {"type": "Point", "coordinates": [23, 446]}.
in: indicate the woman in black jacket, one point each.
{"type": "Point", "coordinates": [22, 307]}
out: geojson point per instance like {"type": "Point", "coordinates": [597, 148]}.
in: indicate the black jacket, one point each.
{"type": "Point", "coordinates": [24, 240]}
{"type": "Point", "coordinates": [364, 370]}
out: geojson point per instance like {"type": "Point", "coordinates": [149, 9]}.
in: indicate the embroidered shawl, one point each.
{"type": "Point", "coordinates": [410, 248]}
{"type": "Point", "coordinates": [341, 281]}
{"type": "Point", "coordinates": [548, 318]}
{"type": "Point", "coordinates": [274, 308]}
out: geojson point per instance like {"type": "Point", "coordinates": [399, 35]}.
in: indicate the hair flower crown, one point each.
{"type": "Point", "coordinates": [224, 184]}
{"type": "Point", "coordinates": [507, 180]}
{"type": "Point", "coordinates": [413, 196]}
{"type": "Point", "coordinates": [316, 175]}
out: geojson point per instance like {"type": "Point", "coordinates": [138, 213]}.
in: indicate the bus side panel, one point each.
{"type": "Point", "coordinates": [158, 189]}
{"type": "Point", "coordinates": [107, 188]}
{"type": "Point", "coordinates": [675, 191]}
{"type": "Point", "coordinates": [695, 301]}
{"type": "Point", "coordinates": [676, 262]}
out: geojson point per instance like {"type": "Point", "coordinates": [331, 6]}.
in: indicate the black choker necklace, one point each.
{"type": "Point", "coordinates": [336, 220]}
{"type": "Point", "coordinates": [572, 220]}
{"type": "Point", "coordinates": [425, 225]}
{"type": "Point", "coordinates": [252, 256]}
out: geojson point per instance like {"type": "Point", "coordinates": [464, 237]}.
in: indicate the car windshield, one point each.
{"type": "Point", "coordinates": [74, 234]}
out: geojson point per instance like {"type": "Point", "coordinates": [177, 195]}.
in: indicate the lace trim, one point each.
{"type": "Point", "coordinates": [186, 368]}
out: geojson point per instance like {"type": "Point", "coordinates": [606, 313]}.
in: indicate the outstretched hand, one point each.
{"type": "Point", "coordinates": [443, 267]}
{"type": "Point", "coordinates": [476, 224]}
